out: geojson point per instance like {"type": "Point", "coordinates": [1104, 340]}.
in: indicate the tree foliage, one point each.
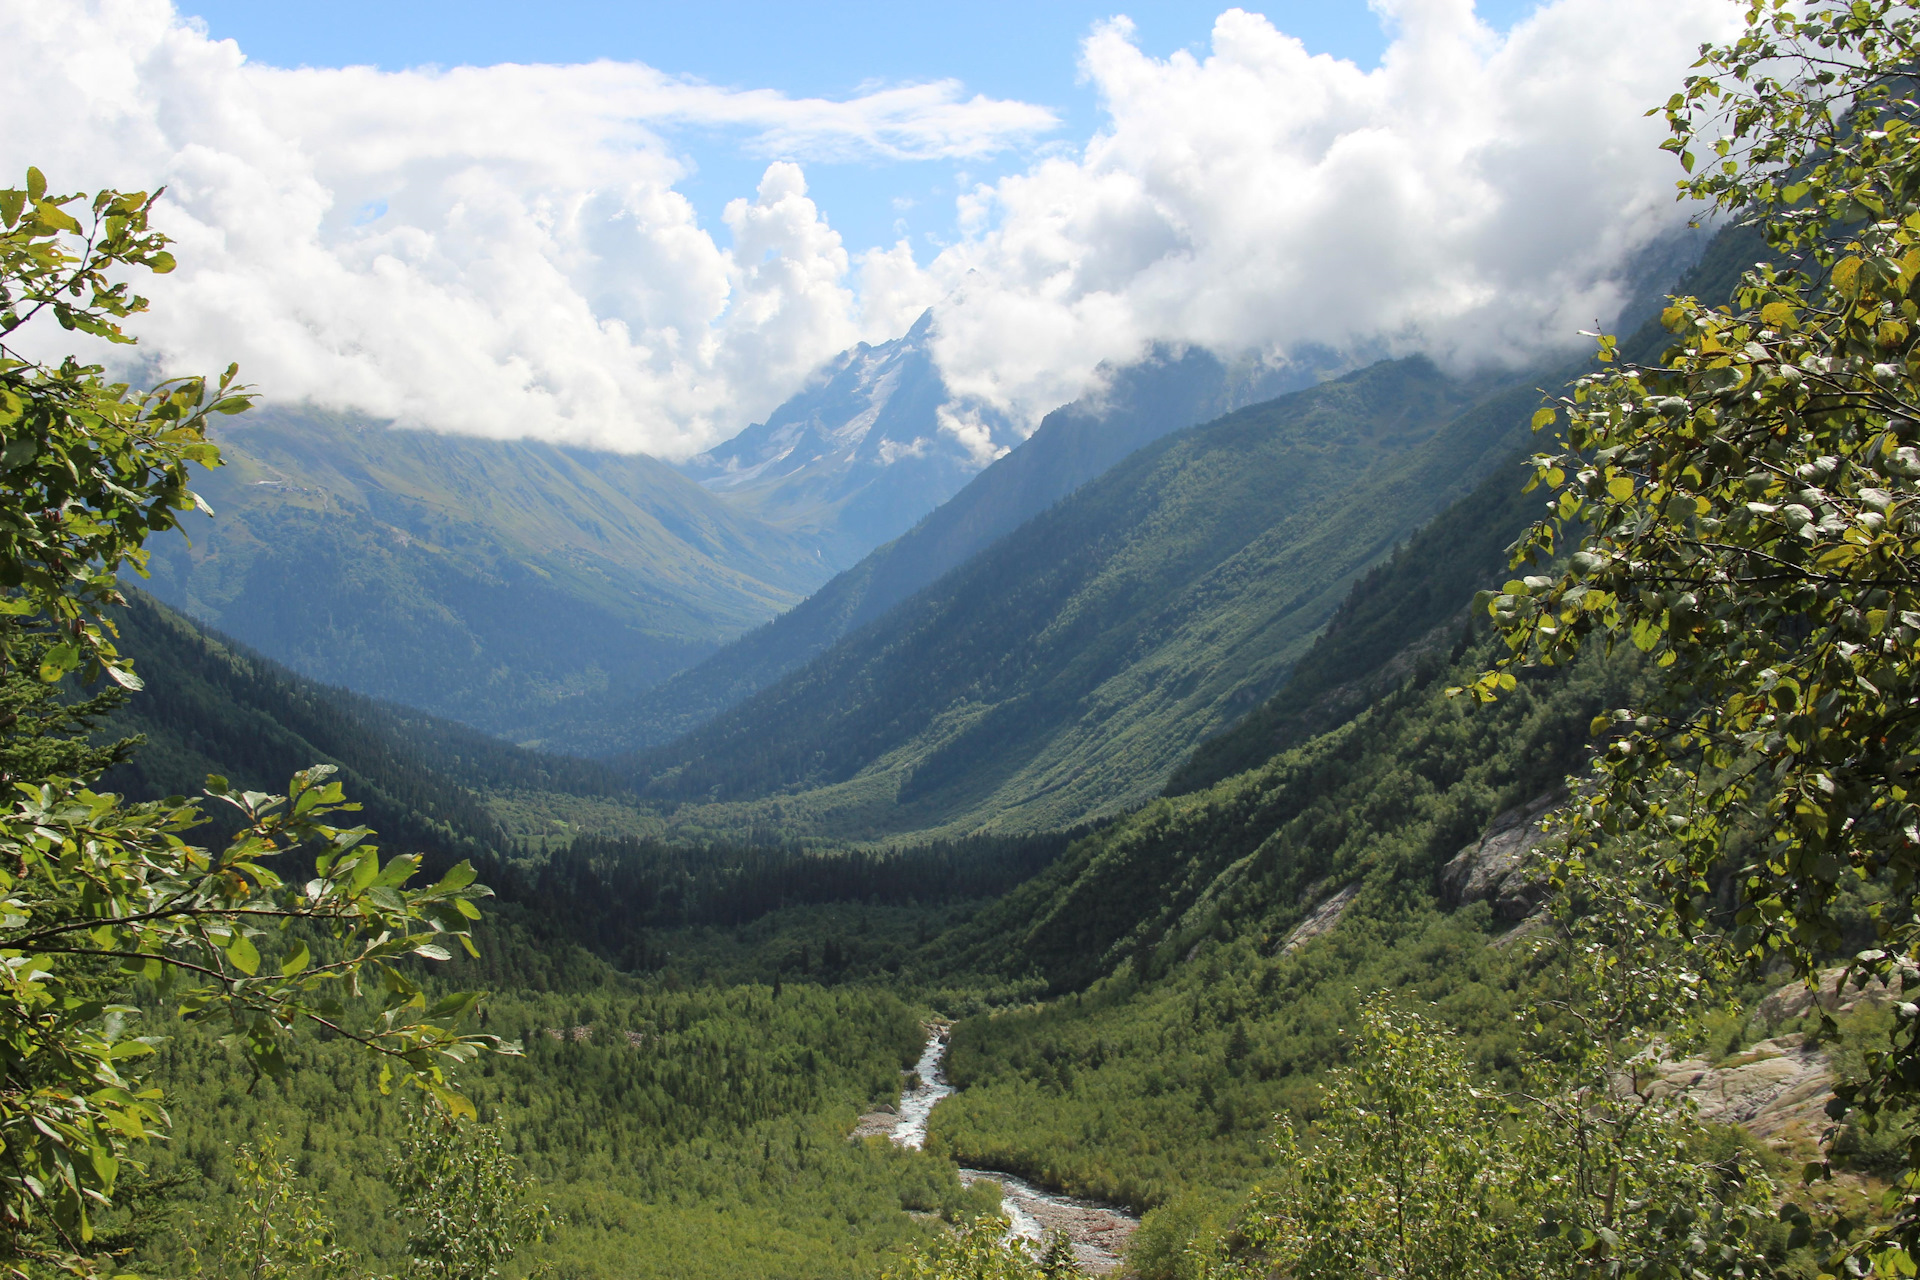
{"type": "Point", "coordinates": [273, 1228]}
{"type": "Point", "coordinates": [1746, 512]}
{"type": "Point", "coordinates": [467, 1206]}
{"type": "Point", "coordinates": [1407, 1173]}
{"type": "Point", "coordinates": [982, 1249]}
{"type": "Point", "coordinates": [88, 468]}
{"type": "Point", "coordinates": [292, 922]}
{"type": "Point", "coordinates": [45, 733]}
{"type": "Point", "coordinates": [1419, 1171]}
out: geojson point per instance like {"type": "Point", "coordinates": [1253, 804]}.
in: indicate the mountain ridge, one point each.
{"type": "Point", "coordinates": [872, 442]}
{"type": "Point", "coordinates": [1137, 404]}
{"type": "Point", "coordinates": [476, 579]}
{"type": "Point", "coordinates": [1062, 673]}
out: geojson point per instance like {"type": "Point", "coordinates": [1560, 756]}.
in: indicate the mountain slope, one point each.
{"type": "Point", "coordinates": [477, 579]}
{"type": "Point", "coordinates": [1198, 1011]}
{"type": "Point", "coordinates": [212, 707]}
{"type": "Point", "coordinates": [1068, 669]}
{"type": "Point", "coordinates": [1406, 607]}
{"type": "Point", "coordinates": [1136, 405]}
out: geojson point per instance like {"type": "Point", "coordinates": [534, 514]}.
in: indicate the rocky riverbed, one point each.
{"type": "Point", "coordinates": [1099, 1232]}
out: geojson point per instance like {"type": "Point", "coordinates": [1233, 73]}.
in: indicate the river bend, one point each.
{"type": "Point", "coordinates": [1099, 1232]}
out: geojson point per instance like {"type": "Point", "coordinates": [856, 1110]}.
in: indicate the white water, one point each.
{"type": "Point", "coordinates": [916, 1105]}
{"type": "Point", "coordinates": [1096, 1230]}
{"type": "Point", "coordinates": [1015, 1195]}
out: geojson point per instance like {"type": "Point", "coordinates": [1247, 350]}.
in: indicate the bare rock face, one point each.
{"type": "Point", "coordinates": [1798, 998]}
{"type": "Point", "coordinates": [1323, 917]}
{"type": "Point", "coordinates": [1778, 1088]}
{"type": "Point", "coordinates": [1493, 868]}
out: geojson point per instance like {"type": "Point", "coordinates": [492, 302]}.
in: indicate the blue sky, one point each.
{"type": "Point", "coordinates": [1000, 48]}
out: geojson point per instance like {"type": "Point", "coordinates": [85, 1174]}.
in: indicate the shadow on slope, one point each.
{"type": "Point", "coordinates": [483, 580]}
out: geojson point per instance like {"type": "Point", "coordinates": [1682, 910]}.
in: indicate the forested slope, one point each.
{"type": "Point", "coordinates": [1069, 668]}
{"type": "Point", "coordinates": [1401, 607]}
{"type": "Point", "coordinates": [679, 1135]}
{"type": "Point", "coordinates": [1192, 1027]}
{"type": "Point", "coordinates": [212, 706]}
{"type": "Point", "coordinates": [483, 580]}
{"type": "Point", "coordinates": [1136, 405]}
{"type": "Point", "coordinates": [1185, 1018]}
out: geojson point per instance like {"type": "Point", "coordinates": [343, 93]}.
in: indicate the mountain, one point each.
{"type": "Point", "coordinates": [210, 705]}
{"type": "Point", "coordinates": [1412, 605]}
{"type": "Point", "coordinates": [1133, 406]}
{"type": "Point", "coordinates": [874, 441]}
{"type": "Point", "coordinates": [1065, 671]}
{"type": "Point", "coordinates": [481, 580]}
{"type": "Point", "coordinates": [1366, 694]}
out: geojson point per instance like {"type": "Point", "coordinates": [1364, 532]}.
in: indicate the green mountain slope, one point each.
{"type": "Point", "coordinates": [1069, 668]}
{"type": "Point", "coordinates": [211, 706]}
{"type": "Point", "coordinates": [1404, 606]}
{"type": "Point", "coordinates": [438, 787]}
{"type": "Point", "coordinates": [481, 580]}
{"type": "Point", "coordinates": [1193, 1022]}
{"type": "Point", "coordinates": [1137, 405]}
{"type": "Point", "coordinates": [1191, 1011]}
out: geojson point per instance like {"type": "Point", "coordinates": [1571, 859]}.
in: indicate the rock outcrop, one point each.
{"type": "Point", "coordinates": [1797, 999]}
{"type": "Point", "coordinates": [1495, 867]}
{"type": "Point", "coordinates": [1777, 1089]}
{"type": "Point", "coordinates": [1322, 918]}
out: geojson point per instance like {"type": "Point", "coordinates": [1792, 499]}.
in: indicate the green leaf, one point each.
{"type": "Point", "coordinates": [398, 871]}
{"type": "Point", "coordinates": [455, 1006]}
{"type": "Point", "coordinates": [459, 877]}
{"type": "Point", "coordinates": [58, 661]}
{"type": "Point", "coordinates": [365, 868]}
{"type": "Point", "coordinates": [297, 961]}
{"type": "Point", "coordinates": [53, 216]}
{"type": "Point", "coordinates": [241, 951]}
{"type": "Point", "coordinates": [456, 1103]}
{"type": "Point", "coordinates": [1846, 275]}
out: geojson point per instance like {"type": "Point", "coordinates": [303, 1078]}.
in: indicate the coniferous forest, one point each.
{"type": "Point", "coordinates": [1423, 824]}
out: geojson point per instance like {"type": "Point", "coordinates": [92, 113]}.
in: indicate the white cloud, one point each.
{"type": "Point", "coordinates": [502, 250]}
{"type": "Point", "coordinates": [497, 250]}
{"type": "Point", "coordinates": [1475, 197]}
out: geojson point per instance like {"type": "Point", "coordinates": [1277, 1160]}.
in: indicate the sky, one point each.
{"type": "Point", "coordinates": [1015, 49]}
{"type": "Point", "coordinates": [643, 226]}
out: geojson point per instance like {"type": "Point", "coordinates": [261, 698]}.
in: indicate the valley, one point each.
{"type": "Point", "coordinates": [1051, 880]}
{"type": "Point", "coordinates": [1427, 804]}
{"type": "Point", "coordinates": [1122, 995]}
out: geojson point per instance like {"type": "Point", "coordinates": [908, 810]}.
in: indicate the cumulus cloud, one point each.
{"type": "Point", "coordinates": [502, 250]}
{"type": "Point", "coordinates": [495, 250]}
{"type": "Point", "coordinates": [1477, 197]}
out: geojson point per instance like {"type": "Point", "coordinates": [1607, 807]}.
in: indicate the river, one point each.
{"type": "Point", "coordinates": [1099, 1232]}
